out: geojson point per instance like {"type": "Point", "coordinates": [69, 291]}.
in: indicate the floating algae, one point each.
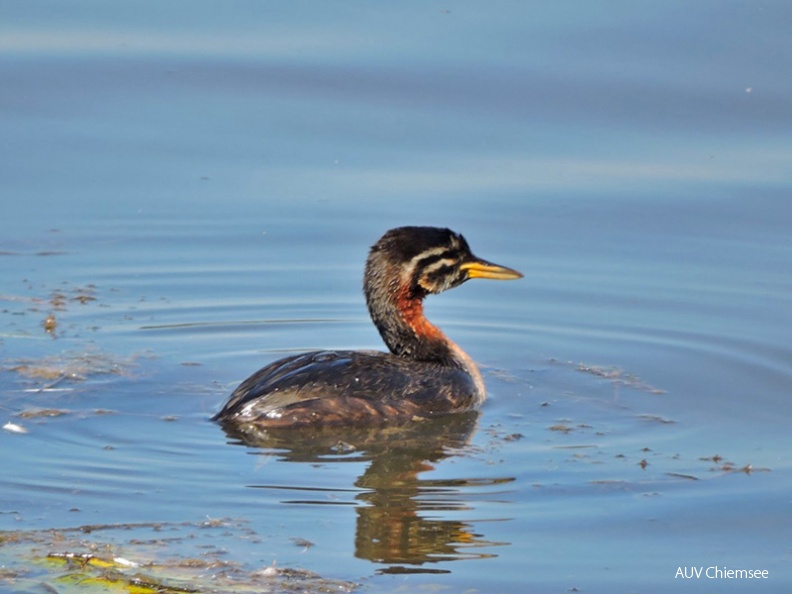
{"type": "Point", "coordinates": [150, 559]}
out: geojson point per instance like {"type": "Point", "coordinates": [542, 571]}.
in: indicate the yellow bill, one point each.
{"type": "Point", "coordinates": [484, 269]}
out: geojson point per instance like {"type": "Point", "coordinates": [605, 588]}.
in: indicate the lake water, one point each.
{"type": "Point", "coordinates": [189, 190]}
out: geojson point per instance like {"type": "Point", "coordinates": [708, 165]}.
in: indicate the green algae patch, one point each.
{"type": "Point", "coordinates": [87, 572]}
{"type": "Point", "coordinates": [155, 558]}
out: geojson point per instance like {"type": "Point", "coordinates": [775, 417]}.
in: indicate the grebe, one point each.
{"type": "Point", "coordinates": [425, 374]}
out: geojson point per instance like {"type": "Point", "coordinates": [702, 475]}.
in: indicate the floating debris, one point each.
{"type": "Point", "coordinates": [270, 571]}
{"type": "Point", "coordinates": [343, 447]}
{"type": "Point", "coordinates": [73, 366]}
{"type": "Point", "coordinates": [131, 558]}
{"type": "Point", "coordinates": [688, 477]}
{"type": "Point", "coordinates": [84, 559]}
{"type": "Point", "coordinates": [83, 298]}
{"type": "Point", "coordinates": [620, 377]}
{"type": "Point", "coordinates": [50, 323]}
{"type": "Point", "coordinates": [747, 469]}
{"type": "Point", "coordinates": [33, 413]}
{"type": "Point", "coordinates": [657, 419]}
{"type": "Point", "coordinates": [14, 428]}
{"type": "Point", "coordinates": [302, 542]}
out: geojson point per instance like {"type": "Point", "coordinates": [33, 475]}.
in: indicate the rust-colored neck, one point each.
{"type": "Point", "coordinates": [396, 308]}
{"type": "Point", "coordinates": [412, 312]}
{"type": "Point", "coordinates": [429, 342]}
{"type": "Point", "coordinates": [404, 328]}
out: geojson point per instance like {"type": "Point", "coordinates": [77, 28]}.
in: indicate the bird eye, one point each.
{"type": "Point", "coordinates": [438, 276]}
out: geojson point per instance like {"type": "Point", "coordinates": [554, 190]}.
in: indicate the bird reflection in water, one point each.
{"type": "Point", "coordinates": [400, 519]}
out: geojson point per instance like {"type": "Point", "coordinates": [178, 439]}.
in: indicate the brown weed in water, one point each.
{"type": "Point", "coordinates": [619, 377]}
{"type": "Point", "coordinates": [34, 413]}
{"type": "Point", "coordinates": [657, 419]}
{"type": "Point", "coordinates": [74, 366]}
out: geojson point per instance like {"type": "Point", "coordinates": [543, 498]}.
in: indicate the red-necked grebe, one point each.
{"type": "Point", "coordinates": [425, 374]}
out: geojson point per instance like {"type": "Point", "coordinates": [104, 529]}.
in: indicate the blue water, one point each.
{"type": "Point", "coordinates": [213, 176]}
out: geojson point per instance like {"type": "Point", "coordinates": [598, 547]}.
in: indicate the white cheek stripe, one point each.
{"type": "Point", "coordinates": [435, 251]}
